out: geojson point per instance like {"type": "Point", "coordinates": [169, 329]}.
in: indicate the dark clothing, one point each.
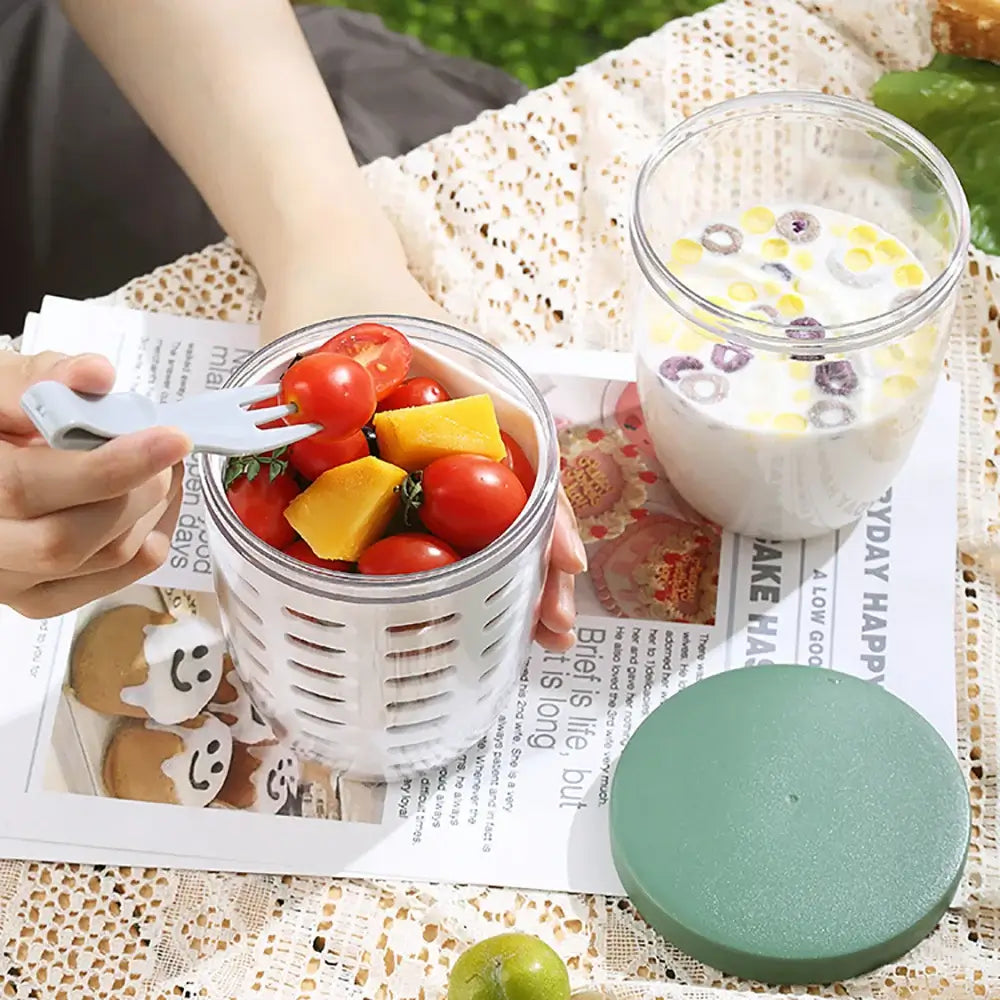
{"type": "Point", "coordinates": [90, 199]}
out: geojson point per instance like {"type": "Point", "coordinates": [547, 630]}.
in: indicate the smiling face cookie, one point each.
{"type": "Point", "coordinates": [183, 765]}
{"type": "Point", "coordinates": [232, 704]}
{"type": "Point", "coordinates": [145, 664]}
{"type": "Point", "coordinates": [108, 656]}
{"type": "Point", "coordinates": [261, 778]}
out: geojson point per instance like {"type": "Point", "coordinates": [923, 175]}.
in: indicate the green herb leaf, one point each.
{"type": "Point", "coordinates": [250, 466]}
{"type": "Point", "coordinates": [411, 493]}
{"type": "Point", "coordinates": [955, 102]}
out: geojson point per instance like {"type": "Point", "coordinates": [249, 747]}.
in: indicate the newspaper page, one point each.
{"type": "Point", "coordinates": [668, 599]}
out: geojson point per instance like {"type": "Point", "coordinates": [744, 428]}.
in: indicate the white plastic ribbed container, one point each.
{"type": "Point", "coordinates": [381, 677]}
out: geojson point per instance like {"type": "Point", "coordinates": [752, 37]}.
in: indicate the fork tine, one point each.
{"type": "Point", "coordinates": [281, 437]}
{"type": "Point", "coordinates": [271, 413]}
{"type": "Point", "coordinates": [245, 395]}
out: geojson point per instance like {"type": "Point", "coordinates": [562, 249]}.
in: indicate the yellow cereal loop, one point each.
{"type": "Point", "coordinates": [908, 275]}
{"type": "Point", "coordinates": [863, 234]}
{"type": "Point", "coordinates": [802, 395]}
{"type": "Point", "coordinates": [898, 386]}
{"type": "Point", "coordinates": [803, 260]}
{"type": "Point", "coordinates": [661, 331]}
{"type": "Point", "coordinates": [858, 259]}
{"type": "Point", "coordinates": [925, 339]}
{"type": "Point", "coordinates": [774, 249]}
{"type": "Point", "coordinates": [686, 252]}
{"type": "Point", "coordinates": [688, 341]}
{"type": "Point", "coordinates": [742, 291]}
{"type": "Point", "coordinates": [889, 357]}
{"type": "Point", "coordinates": [772, 288]}
{"type": "Point", "coordinates": [889, 251]}
{"type": "Point", "coordinates": [757, 220]}
{"type": "Point", "coordinates": [790, 423]}
{"type": "Point", "coordinates": [800, 370]}
{"type": "Point", "coordinates": [790, 305]}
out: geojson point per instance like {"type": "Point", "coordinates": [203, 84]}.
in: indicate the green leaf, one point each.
{"type": "Point", "coordinates": [411, 493]}
{"type": "Point", "coordinates": [250, 466]}
{"type": "Point", "coordinates": [955, 103]}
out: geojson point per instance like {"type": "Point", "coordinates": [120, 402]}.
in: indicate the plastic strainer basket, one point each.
{"type": "Point", "coordinates": [381, 677]}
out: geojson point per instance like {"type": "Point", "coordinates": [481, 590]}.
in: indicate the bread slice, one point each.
{"type": "Point", "coordinates": [969, 28]}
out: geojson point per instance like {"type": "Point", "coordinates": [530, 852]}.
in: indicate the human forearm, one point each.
{"type": "Point", "coordinates": [231, 89]}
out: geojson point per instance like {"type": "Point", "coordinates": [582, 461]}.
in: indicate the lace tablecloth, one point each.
{"type": "Point", "coordinates": [515, 224]}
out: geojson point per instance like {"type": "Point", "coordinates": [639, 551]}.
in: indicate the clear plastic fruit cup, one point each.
{"type": "Point", "coordinates": [380, 677]}
{"type": "Point", "coordinates": [797, 258]}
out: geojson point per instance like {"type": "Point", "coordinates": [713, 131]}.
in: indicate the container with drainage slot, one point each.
{"type": "Point", "coordinates": [381, 677]}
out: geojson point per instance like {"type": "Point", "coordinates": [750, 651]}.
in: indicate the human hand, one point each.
{"type": "Point", "coordinates": [75, 526]}
{"type": "Point", "coordinates": [314, 288]}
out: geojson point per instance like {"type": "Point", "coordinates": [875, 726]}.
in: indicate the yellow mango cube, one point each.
{"type": "Point", "coordinates": [347, 509]}
{"type": "Point", "coordinates": [414, 437]}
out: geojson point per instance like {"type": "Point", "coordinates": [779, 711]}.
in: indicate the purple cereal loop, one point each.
{"type": "Point", "coordinates": [798, 227]}
{"type": "Point", "coordinates": [731, 244]}
{"type": "Point", "coordinates": [852, 279]}
{"type": "Point", "coordinates": [730, 358]}
{"type": "Point", "coordinates": [671, 368]}
{"type": "Point", "coordinates": [718, 387]}
{"type": "Point", "coordinates": [806, 328]}
{"type": "Point", "coordinates": [773, 267]}
{"type": "Point", "coordinates": [829, 414]}
{"type": "Point", "coordinates": [837, 378]}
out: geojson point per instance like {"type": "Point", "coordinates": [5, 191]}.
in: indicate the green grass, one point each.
{"type": "Point", "coordinates": [535, 40]}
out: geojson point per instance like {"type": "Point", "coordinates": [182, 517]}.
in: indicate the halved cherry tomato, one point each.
{"type": "Point", "coordinates": [259, 489]}
{"type": "Point", "coordinates": [517, 460]}
{"type": "Point", "coordinates": [384, 352]}
{"type": "Point", "coordinates": [266, 404]}
{"type": "Point", "coordinates": [417, 391]}
{"type": "Point", "coordinates": [406, 553]}
{"type": "Point", "coordinates": [314, 455]}
{"type": "Point", "coordinates": [331, 390]}
{"type": "Point", "coordinates": [300, 550]}
{"type": "Point", "coordinates": [467, 500]}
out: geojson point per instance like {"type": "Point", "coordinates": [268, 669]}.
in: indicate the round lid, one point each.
{"type": "Point", "coordinates": [790, 825]}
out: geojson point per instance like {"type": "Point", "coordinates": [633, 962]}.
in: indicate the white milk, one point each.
{"type": "Point", "coordinates": [763, 443]}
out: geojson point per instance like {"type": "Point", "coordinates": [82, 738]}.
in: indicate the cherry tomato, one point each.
{"type": "Point", "coordinates": [259, 500]}
{"type": "Point", "coordinates": [300, 550]}
{"type": "Point", "coordinates": [314, 455]}
{"type": "Point", "coordinates": [266, 404]}
{"type": "Point", "coordinates": [331, 390]}
{"type": "Point", "coordinates": [407, 553]}
{"type": "Point", "coordinates": [417, 391]}
{"type": "Point", "coordinates": [517, 460]}
{"type": "Point", "coordinates": [384, 352]}
{"type": "Point", "coordinates": [469, 500]}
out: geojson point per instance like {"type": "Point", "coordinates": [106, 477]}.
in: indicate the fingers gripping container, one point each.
{"type": "Point", "coordinates": [382, 677]}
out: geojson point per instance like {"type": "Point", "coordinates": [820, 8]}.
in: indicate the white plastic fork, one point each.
{"type": "Point", "coordinates": [217, 422]}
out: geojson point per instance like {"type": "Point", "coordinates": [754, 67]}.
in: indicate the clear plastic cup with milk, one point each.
{"type": "Point", "coordinates": [798, 259]}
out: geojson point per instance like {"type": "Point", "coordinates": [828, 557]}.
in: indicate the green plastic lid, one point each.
{"type": "Point", "coordinates": [790, 825]}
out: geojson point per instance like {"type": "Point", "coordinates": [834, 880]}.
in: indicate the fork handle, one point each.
{"type": "Point", "coordinates": [75, 421]}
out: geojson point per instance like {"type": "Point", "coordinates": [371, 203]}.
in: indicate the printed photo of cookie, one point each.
{"type": "Point", "coordinates": [182, 765]}
{"type": "Point", "coordinates": [261, 778]}
{"type": "Point", "coordinates": [605, 480]}
{"type": "Point", "coordinates": [661, 568]}
{"type": "Point", "coordinates": [232, 704]}
{"type": "Point", "coordinates": [145, 664]}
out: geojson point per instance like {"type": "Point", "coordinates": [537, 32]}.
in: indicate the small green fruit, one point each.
{"type": "Point", "coordinates": [509, 967]}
